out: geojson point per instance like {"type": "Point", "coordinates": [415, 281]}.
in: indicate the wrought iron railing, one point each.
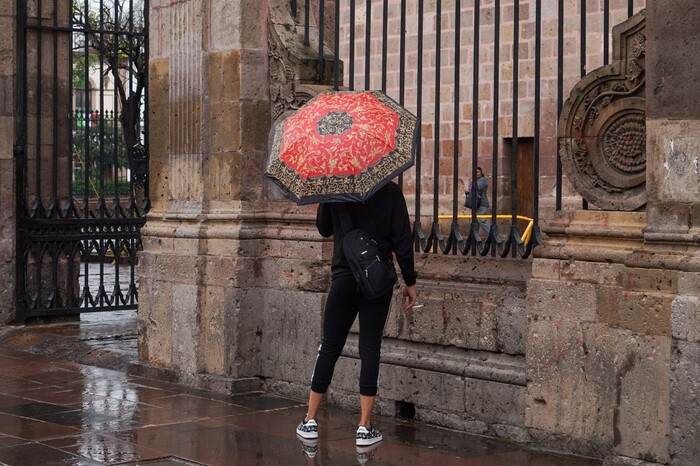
{"type": "Point", "coordinates": [488, 81]}
{"type": "Point", "coordinates": [81, 142]}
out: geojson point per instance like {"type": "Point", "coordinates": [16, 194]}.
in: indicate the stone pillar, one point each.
{"type": "Point", "coordinates": [673, 180]}
{"type": "Point", "coordinates": [7, 171]}
{"type": "Point", "coordinates": [230, 272]}
{"type": "Point", "coordinates": [612, 354]}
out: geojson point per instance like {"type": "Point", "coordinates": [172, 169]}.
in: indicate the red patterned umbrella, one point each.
{"type": "Point", "coordinates": [341, 146]}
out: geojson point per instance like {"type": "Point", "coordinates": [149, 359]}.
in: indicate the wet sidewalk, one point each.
{"type": "Point", "coordinates": [55, 410]}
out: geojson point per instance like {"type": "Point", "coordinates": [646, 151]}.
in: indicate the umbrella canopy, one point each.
{"type": "Point", "coordinates": [341, 146]}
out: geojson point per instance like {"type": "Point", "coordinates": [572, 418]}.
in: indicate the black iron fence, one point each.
{"type": "Point", "coordinates": [81, 152]}
{"type": "Point", "coordinates": [488, 79]}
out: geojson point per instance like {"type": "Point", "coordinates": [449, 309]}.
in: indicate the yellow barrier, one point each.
{"type": "Point", "coordinates": [525, 237]}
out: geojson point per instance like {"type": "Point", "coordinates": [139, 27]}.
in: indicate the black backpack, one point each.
{"type": "Point", "coordinates": [375, 275]}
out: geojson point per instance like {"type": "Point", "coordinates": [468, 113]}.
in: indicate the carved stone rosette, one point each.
{"type": "Point", "coordinates": [602, 127]}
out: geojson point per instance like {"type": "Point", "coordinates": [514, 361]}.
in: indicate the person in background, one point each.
{"type": "Point", "coordinates": [384, 216]}
{"type": "Point", "coordinates": [481, 198]}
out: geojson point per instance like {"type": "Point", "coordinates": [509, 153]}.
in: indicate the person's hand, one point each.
{"type": "Point", "coordinates": [467, 186]}
{"type": "Point", "coordinates": [409, 297]}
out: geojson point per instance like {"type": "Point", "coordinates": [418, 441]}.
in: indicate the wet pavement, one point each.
{"type": "Point", "coordinates": [57, 410]}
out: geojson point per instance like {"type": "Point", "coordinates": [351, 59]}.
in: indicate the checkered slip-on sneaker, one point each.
{"type": "Point", "coordinates": [307, 429]}
{"type": "Point", "coordinates": [367, 436]}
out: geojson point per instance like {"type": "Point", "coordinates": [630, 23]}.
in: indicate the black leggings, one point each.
{"type": "Point", "coordinates": [345, 301]}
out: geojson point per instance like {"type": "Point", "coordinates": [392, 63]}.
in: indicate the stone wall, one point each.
{"type": "Point", "coordinates": [7, 167]}
{"type": "Point", "coordinates": [588, 348]}
{"type": "Point", "coordinates": [673, 232]}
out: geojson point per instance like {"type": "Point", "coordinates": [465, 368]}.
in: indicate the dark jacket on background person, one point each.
{"type": "Point", "coordinates": [481, 187]}
{"type": "Point", "coordinates": [384, 217]}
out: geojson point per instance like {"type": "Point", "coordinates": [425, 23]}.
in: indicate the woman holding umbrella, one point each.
{"type": "Point", "coordinates": [385, 217]}
{"type": "Point", "coordinates": [341, 150]}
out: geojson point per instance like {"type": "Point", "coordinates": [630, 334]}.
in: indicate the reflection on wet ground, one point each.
{"type": "Point", "coordinates": [57, 412]}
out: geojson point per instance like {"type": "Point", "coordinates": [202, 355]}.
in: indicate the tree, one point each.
{"type": "Point", "coordinates": [115, 33]}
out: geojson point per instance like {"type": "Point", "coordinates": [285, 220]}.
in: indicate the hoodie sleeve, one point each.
{"type": "Point", "coordinates": [324, 220]}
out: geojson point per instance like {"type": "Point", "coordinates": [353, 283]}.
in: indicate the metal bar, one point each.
{"type": "Point", "coordinates": [475, 119]}
{"type": "Point", "coordinates": [336, 47]}
{"type": "Point", "coordinates": [538, 82]}
{"type": "Point", "coordinates": [146, 51]}
{"type": "Point", "coordinates": [115, 123]}
{"type": "Point", "coordinates": [100, 115]}
{"type": "Point", "coordinates": [582, 40]}
{"type": "Point", "coordinates": [19, 152]}
{"type": "Point", "coordinates": [385, 27]}
{"type": "Point", "coordinates": [402, 54]}
{"type": "Point", "coordinates": [436, 129]}
{"type": "Point", "coordinates": [321, 27]}
{"type": "Point", "coordinates": [516, 98]}
{"type": "Point", "coordinates": [54, 171]}
{"type": "Point", "coordinates": [70, 167]}
{"type": "Point", "coordinates": [307, 14]}
{"type": "Point", "coordinates": [496, 101]}
{"type": "Point", "coordinates": [419, 113]}
{"type": "Point", "coordinates": [368, 38]}
{"type": "Point", "coordinates": [606, 32]}
{"type": "Point", "coordinates": [630, 8]}
{"type": "Point", "coordinates": [38, 96]}
{"type": "Point", "coordinates": [87, 121]}
{"type": "Point", "coordinates": [293, 7]}
{"type": "Point", "coordinates": [351, 44]}
{"type": "Point", "coordinates": [455, 122]}
{"type": "Point", "coordinates": [560, 95]}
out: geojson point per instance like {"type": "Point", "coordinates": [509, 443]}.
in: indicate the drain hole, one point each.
{"type": "Point", "coordinates": [405, 410]}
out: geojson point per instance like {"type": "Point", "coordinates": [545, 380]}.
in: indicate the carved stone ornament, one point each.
{"type": "Point", "coordinates": [293, 65]}
{"type": "Point", "coordinates": [602, 128]}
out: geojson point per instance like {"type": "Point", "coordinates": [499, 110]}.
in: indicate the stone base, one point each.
{"type": "Point", "coordinates": [626, 461]}
{"type": "Point", "coordinates": [208, 382]}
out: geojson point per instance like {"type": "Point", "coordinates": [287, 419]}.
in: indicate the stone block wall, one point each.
{"type": "Point", "coordinates": [458, 360]}
{"type": "Point", "coordinates": [594, 51]}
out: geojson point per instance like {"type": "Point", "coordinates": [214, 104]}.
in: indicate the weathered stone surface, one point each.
{"type": "Point", "coordinates": [642, 312]}
{"type": "Point", "coordinates": [185, 327]}
{"type": "Point", "coordinates": [670, 73]}
{"type": "Point", "coordinates": [685, 404]}
{"type": "Point", "coordinates": [155, 319]}
{"type": "Point", "coordinates": [225, 23]}
{"type": "Point", "coordinates": [287, 330]}
{"type": "Point", "coordinates": [439, 398]}
{"type": "Point", "coordinates": [571, 378]}
{"type": "Point", "coordinates": [685, 318]}
{"type": "Point", "coordinates": [674, 175]}
{"type": "Point", "coordinates": [642, 377]}
{"type": "Point", "coordinates": [562, 301]}
{"type": "Point", "coordinates": [626, 461]}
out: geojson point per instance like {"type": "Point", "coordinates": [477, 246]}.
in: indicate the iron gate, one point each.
{"type": "Point", "coordinates": [81, 154]}
{"type": "Point", "coordinates": [488, 79]}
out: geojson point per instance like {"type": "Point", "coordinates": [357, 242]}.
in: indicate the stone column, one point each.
{"type": "Point", "coordinates": [7, 171]}
{"type": "Point", "coordinates": [673, 180]}
{"type": "Point", "coordinates": [612, 347]}
{"type": "Point", "coordinates": [230, 273]}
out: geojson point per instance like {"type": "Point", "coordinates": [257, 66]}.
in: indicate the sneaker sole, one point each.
{"type": "Point", "coordinates": [367, 442]}
{"type": "Point", "coordinates": [307, 435]}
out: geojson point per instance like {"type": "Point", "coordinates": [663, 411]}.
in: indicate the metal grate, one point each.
{"type": "Point", "coordinates": [81, 153]}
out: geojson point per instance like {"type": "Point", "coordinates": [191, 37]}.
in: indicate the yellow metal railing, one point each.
{"type": "Point", "coordinates": [525, 237]}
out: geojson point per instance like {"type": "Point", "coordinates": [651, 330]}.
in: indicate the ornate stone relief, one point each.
{"type": "Point", "coordinates": [283, 95]}
{"type": "Point", "coordinates": [293, 65]}
{"type": "Point", "coordinates": [602, 128]}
